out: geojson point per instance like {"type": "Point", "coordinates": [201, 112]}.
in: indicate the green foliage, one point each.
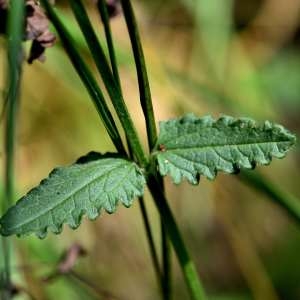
{"type": "Point", "coordinates": [189, 146]}
{"type": "Point", "coordinates": [93, 183]}
{"type": "Point", "coordinates": [186, 147]}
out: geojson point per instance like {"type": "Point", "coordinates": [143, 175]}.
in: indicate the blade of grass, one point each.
{"type": "Point", "coordinates": [15, 57]}
{"type": "Point", "coordinates": [87, 78]}
{"type": "Point", "coordinates": [108, 78]}
{"type": "Point", "coordinates": [145, 93]}
{"type": "Point", "coordinates": [101, 4]}
{"type": "Point", "coordinates": [286, 201]}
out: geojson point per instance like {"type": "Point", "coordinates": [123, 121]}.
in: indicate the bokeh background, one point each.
{"type": "Point", "coordinates": [240, 58]}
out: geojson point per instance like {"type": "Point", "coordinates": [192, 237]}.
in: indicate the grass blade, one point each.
{"type": "Point", "coordinates": [101, 4]}
{"type": "Point", "coordinates": [86, 77]}
{"type": "Point", "coordinates": [108, 79]}
{"type": "Point", "coordinates": [145, 94]}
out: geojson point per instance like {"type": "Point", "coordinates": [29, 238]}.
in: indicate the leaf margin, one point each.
{"type": "Point", "coordinates": [74, 221]}
{"type": "Point", "coordinates": [161, 148]}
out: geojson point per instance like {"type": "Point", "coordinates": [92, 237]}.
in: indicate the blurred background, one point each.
{"type": "Point", "coordinates": [240, 58]}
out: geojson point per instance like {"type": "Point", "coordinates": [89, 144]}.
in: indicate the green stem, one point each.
{"type": "Point", "coordinates": [101, 4]}
{"type": "Point", "coordinates": [167, 263]}
{"type": "Point", "coordinates": [87, 78]}
{"type": "Point", "coordinates": [188, 268]}
{"type": "Point", "coordinates": [14, 51]}
{"type": "Point", "coordinates": [146, 221]}
{"type": "Point", "coordinates": [147, 107]}
{"type": "Point", "coordinates": [151, 243]}
{"type": "Point", "coordinates": [145, 94]}
{"type": "Point", "coordinates": [5, 280]}
{"type": "Point", "coordinates": [108, 79]}
{"type": "Point", "coordinates": [15, 34]}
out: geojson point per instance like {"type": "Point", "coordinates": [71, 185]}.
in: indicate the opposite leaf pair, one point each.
{"type": "Point", "coordinates": [186, 148]}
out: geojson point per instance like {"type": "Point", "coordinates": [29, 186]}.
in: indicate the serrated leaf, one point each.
{"type": "Point", "coordinates": [189, 146]}
{"type": "Point", "coordinates": [93, 183]}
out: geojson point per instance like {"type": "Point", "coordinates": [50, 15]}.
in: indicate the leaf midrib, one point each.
{"type": "Point", "coordinates": [214, 146]}
{"type": "Point", "coordinates": [38, 216]}
{"type": "Point", "coordinates": [197, 132]}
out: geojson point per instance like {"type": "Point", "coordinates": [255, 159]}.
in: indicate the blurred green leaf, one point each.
{"type": "Point", "coordinates": [282, 78]}
{"type": "Point", "coordinates": [213, 20]}
{"type": "Point", "coordinates": [285, 200]}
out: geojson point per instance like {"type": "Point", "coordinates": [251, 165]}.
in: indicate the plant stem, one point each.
{"type": "Point", "coordinates": [167, 263]}
{"type": "Point", "coordinates": [145, 93]}
{"type": "Point", "coordinates": [147, 227]}
{"type": "Point", "coordinates": [14, 49]}
{"type": "Point", "coordinates": [151, 243]}
{"type": "Point", "coordinates": [101, 4]}
{"type": "Point", "coordinates": [87, 78]}
{"type": "Point", "coordinates": [188, 268]}
{"type": "Point", "coordinates": [108, 80]}
{"type": "Point", "coordinates": [14, 52]}
{"type": "Point", "coordinates": [147, 107]}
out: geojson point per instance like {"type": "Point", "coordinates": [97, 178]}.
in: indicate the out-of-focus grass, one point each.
{"type": "Point", "coordinates": [199, 59]}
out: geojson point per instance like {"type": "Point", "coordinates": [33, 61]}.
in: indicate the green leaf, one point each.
{"type": "Point", "coordinates": [93, 183]}
{"type": "Point", "coordinates": [189, 146]}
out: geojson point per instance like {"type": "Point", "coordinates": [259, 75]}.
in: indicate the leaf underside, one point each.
{"type": "Point", "coordinates": [189, 146]}
{"type": "Point", "coordinates": [91, 184]}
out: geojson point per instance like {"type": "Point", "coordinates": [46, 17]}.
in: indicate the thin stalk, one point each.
{"type": "Point", "coordinates": [87, 78]}
{"type": "Point", "coordinates": [145, 93]}
{"type": "Point", "coordinates": [147, 107]}
{"type": "Point", "coordinates": [166, 252]}
{"type": "Point", "coordinates": [101, 4]}
{"type": "Point", "coordinates": [188, 268]}
{"type": "Point", "coordinates": [14, 51]}
{"type": "Point", "coordinates": [151, 243]}
{"type": "Point", "coordinates": [108, 79]}
{"type": "Point", "coordinates": [167, 263]}
{"type": "Point", "coordinates": [146, 221]}
{"type": "Point", "coordinates": [95, 288]}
